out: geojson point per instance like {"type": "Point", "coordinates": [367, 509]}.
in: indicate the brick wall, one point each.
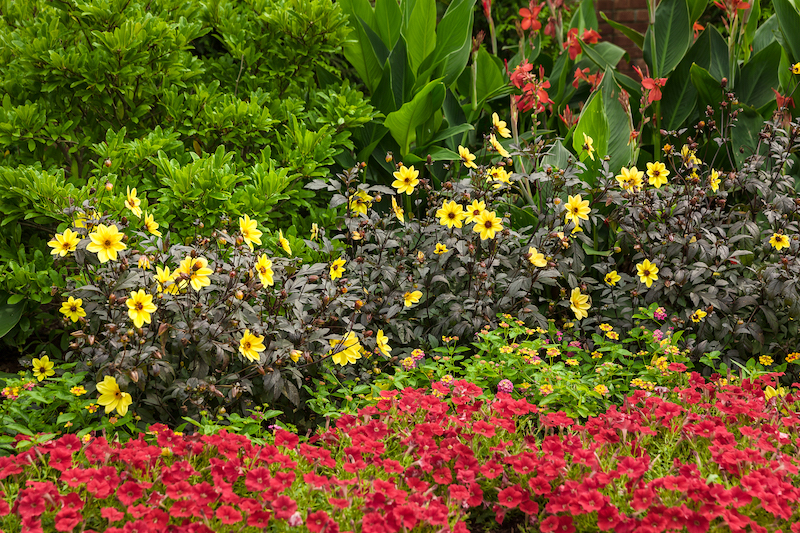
{"type": "Point", "coordinates": [631, 13]}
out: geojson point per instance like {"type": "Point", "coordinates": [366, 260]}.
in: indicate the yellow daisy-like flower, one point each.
{"type": "Point", "coordinates": [151, 225]}
{"type": "Point", "coordinates": [350, 351]}
{"type": "Point", "coordinates": [410, 298]}
{"type": "Point", "coordinates": [64, 243]}
{"type": "Point", "coordinates": [796, 68]}
{"type": "Point", "coordinates": [474, 210]}
{"type": "Point", "coordinates": [284, 243]}
{"type": "Point", "coordinates": [106, 242]}
{"type": "Point", "coordinates": [689, 159]}
{"type": "Point", "coordinates": [197, 270]}
{"type": "Point", "coordinates": [264, 269]}
{"type": "Point", "coordinates": [579, 303]}
{"type": "Point", "coordinates": [43, 368]}
{"type": "Point", "coordinates": [612, 278]}
{"type": "Point", "coordinates": [112, 397]}
{"type": "Point", "coordinates": [698, 315]}
{"type": "Point", "coordinates": [536, 258]}
{"type": "Point", "coordinates": [647, 272]}
{"type": "Point", "coordinates": [630, 178]}
{"type": "Point", "coordinates": [382, 342]}
{"type": "Point", "coordinates": [337, 268]}
{"type": "Point", "coordinates": [451, 214]}
{"type": "Point", "coordinates": [588, 143]}
{"type": "Point", "coordinates": [714, 181]}
{"type": "Point", "coordinates": [466, 157]}
{"type": "Point", "coordinates": [314, 231]}
{"type": "Point", "coordinates": [779, 241]}
{"type": "Point", "coordinates": [440, 249]}
{"type": "Point", "coordinates": [133, 203]}
{"type": "Point", "coordinates": [398, 211]}
{"type": "Point", "coordinates": [406, 179]}
{"type": "Point", "coordinates": [499, 175]}
{"type": "Point", "coordinates": [577, 209]}
{"type": "Point", "coordinates": [250, 232]}
{"type": "Point", "coordinates": [500, 126]}
{"type": "Point", "coordinates": [487, 224]}
{"type": "Point", "coordinates": [140, 307]}
{"type": "Point", "coordinates": [360, 202]}
{"type": "Point", "coordinates": [72, 309]}
{"type": "Point", "coordinates": [497, 146]}
{"type": "Point", "coordinates": [166, 280]}
{"type": "Point", "coordinates": [657, 174]}
{"type": "Point", "coordinates": [144, 262]}
{"type": "Point", "coordinates": [250, 346]}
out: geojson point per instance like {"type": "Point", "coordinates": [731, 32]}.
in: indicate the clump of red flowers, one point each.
{"type": "Point", "coordinates": [706, 456]}
{"type": "Point", "coordinates": [534, 88]}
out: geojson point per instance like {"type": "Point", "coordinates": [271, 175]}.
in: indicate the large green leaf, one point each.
{"type": "Point", "coordinates": [620, 149]}
{"type": "Point", "coordinates": [420, 33]}
{"type": "Point", "coordinates": [362, 56]}
{"type": "Point", "coordinates": [585, 17]}
{"type": "Point", "coordinates": [789, 22]}
{"type": "Point", "coordinates": [696, 8]}
{"type": "Point", "coordinates": [390, 94]}
{"type": "Point", "coordinates": [630, 33]}
{"type": "Point", "coordinates": [490, 76]}
{"type": "Point", "coordinates": [766, 34]}
{"type": "Point", "coordinates": [9, 314]}
{"type": "Point", "coordinates": [453, 44]}
{"type": "Point", "coordinates": [759, 76]}
{"type": "Point", "coordinates": [403, 123]}
{"type": "Point", "coordinates": [744, 134]}
{"type": "Point", "coordinates": [603, 54]}
{"type": "Point", "coordinates": [388, 21]}
{"type": "Point", "coordinates": [673, 36]}
{"type": "Point", "coordinates": [708, 89]}
{"type": "Point", "coordinates": [594, 124]}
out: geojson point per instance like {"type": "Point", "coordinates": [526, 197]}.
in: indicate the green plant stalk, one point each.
{"type": "Point", "coordinates": [475, 80]}
{"type": "Point", "coordinates": [651, 11]}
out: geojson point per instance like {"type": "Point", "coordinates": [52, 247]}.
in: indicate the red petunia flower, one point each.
{"type": "Point", "coordinates": [316, 521]}
{"type": "Point", "coordinates": [560, 524]}
{"type": "Point", "coordinates": [284, 507]}
{"type": "Point", "coordinates": [259, 519]}
{"type": "Point", "coordinates": [228, 515]}
{"type": "Point", "coordinates": [511, 496]}
{"type": "Point", "coordinates": [111, 514]}
{"type": "Point", "coordinates": [67, 519]}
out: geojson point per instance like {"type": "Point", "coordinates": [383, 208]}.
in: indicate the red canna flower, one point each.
{"type": "Point", "coordinates": [530, 16]}
{"type": "Point", "coordinates": [651, 87]}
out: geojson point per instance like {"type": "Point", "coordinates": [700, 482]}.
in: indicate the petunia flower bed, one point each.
{"type": "Point", "coordinates": [705, 457]}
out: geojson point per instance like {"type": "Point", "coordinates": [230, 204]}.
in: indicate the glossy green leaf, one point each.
{"type": "Point", "coordinates": [620, 149]}
{"type": "Point", "coordinates": [490, 76]}
{"type": "Point", "coordinates": [584, 17]}
{"type": "Point", "coordinates": [759, 76]}
{"type": "Point", "coordinates": [10, 313]}
{"type": "Point", "coordinates": [593, 123]}
{"type": "Point", "coordinates": [453, 44]}
{"type": "Point", "coordinates": [766, 34]}
{"type": "Point", "coordinates": [744, 134]}
{"type": "Point", "coordinates": [630, 33]}
{"type": "Point", "coordinates": [673, 36]}
{"type": "Point", "coordinates": [388, 21]}
{"type": "Point", "coordinates": [789, 22]}
{"type": "Point", "coordinates": [708, 88]}
{"type": "Point", "coordinates": [402, 123]}
{"type": "Point", "coordinates": [420, 34]}
{"type": "Point", "coordinates": [696, 8]}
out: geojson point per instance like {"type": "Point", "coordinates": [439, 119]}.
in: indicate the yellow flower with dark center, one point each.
{"type": "Point", "coordinates": [500, 126]}
{"type": "Point", "coordinates": [500, 176]}
{"type": "Point", "coordinates": [440, 249]}
{"type": "Point", "coordinates": [466, 157]}
{"type": "Point", "coordinates": [698, 315]}
{"type": "Point", "coordinates": [64, 243]}
{"type": "Point", "coordinates": [497, 146]}
{"type": "Point", "coordinates": [196, 269]}
{"type": "Point", "coordinates": [250, 346]}
{"type": "Point", "coordinates": [405, 179]}
{"type": "Point", "coordinates": [132, 202]}
{"type": "Point", "coordinates": [398, 211]}
{"type": "Point", "coordinates": [779, 241]}
{"type": "Point", "coordinates": [43, 368]}
{"type": "Point", "coordinates": [579, 303]}
{"type": "Point", "coordinates": [474, 210]}
{"type": "Point", "coordinates": [349, 352]}
{"type": "Point", "coordinates": [714, 181]}
{"type": "Point", "coordinates": [151, 225]}
{"type": "Point", "coordinates": [612, 278]}
{"type": "Point", "coordinates": [536, 258]}
{"type": "Point", "coordinates": [106, 242]}
{"type": "Point", "coordinates": [630, 178]}
{"type": "Point", "coordinates": [796, 68]}
{"type": "Point", "coordinates": [382, 342]}
{"type": "Point", "coordinates": [337, 268]}
{"type": "Point", "coordinates": [166, 280]}
{"type": "Point", "coordinates": [72, 309]}
{"type": "Point", "coordinates": [140, 307]}
{"type": "Point", "coordinates": [647, 272]}
{"type": "Point", "coordinates": [451, 214]}
{"type": "Point", "coordinates": [410, 298]}
{"type": "Point", "coordinates": [487, 225]}
{"type": "Point", "coordinates": [250, 232]}
{"type": "Point", "coordinates": [284, 243]}
{"type": "Point", "coordinates": [264, 269]}
{"type": "Point", "coordinates": [360, 202]}
{"type": "Point", "coordinates": [588, 143]}
{"type": "Point", "coordinates": [112, 397]}
{"type": "Point", "coordinates": [689, 159]}
{"type": "Point", "coordinates": [657, 174]}
{"type": "Point", "coordinates": [577, 209]}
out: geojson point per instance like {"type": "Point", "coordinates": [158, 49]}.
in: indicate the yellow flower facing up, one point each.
{"type": "Point", "coordinates": [588, 146]}
{"type": "Point", "coordinates": [398, 211]}
{"type": "Point", "coordinates": [64, 243]}
{"type": "Point", "coordinates": [474, 210]}
{"type": "Point", "coordinates": [657, 174]}
{"type": "Point", "coordinates": [72, 309]}
{"type": "Point", "coordinates": [43, 368]}
{"type": "Point", "coordinates": [197, 270]}
{"type": "Point", "coordinates": [647, 272]}
{"type": "Point", "coordinates": [264, 269]}
{"type": "Point", "coordinates": [382, 342]}
{"type": "Point", "coordinates": [500, 126]}
{"type": "Point", "coordinates": [698, 315]}
{"type": "Point", "coordinates": [112, 397]}
{"type": "Point", "coordinates": [451, 214]}
{"type": "Point", "coordinates": [250, 346]}
{"type": "Point", "coordinates": [78, 390]}
{"type": "Point", "coordinates": [765, 360]}
{"type": "Point", "coordinates": [405, 179]}
{"type": "Point", "coordinates": [284, 243]}
{"type": "Point", "coordinates": [579, 303]}
{"type": "Point", "coordinates": [499, 176]}
{"type": "Point", "coordinates": [612, 278]}
{"type": "Point", "coordinates": [337, 268]}
{"type": "Point", "coordinates": [630, 179]}
{"type": "Point", "coordinates": [488, 224]}
{"type": "Point", "coordinates": [133, 203]}
{"type": "Point", "coordinates": [106, 242]}
{"type": "Point", "coordinates": [166, 280]}
{"type": "Point", "coordinates": [151, 225]}
{"type": "Point", "coordinates": [349, 352]}
{"type": "Point", "coordinates": [410, 298]}
{"type": "Point", "coordinates": [140, 307]}
{"type": "Point", "coordinates": [577, 209]}
{"type": "Point", "coordinates": [440, 249]}
{"type": "Point", "coordinates": [250, 232]}
{"type": "Point", "coordinates": [497, 146]}
{"type": "Point", "coordinates": [360, 202]}
{"type": "Point", "coordinates": [536, 258]}
{"type": "Point", "coordinates": [779, 241]}
{"type": "Point", "coordinates": [601, 389]}
{"type": "Point", "coordinates": [466, 157]}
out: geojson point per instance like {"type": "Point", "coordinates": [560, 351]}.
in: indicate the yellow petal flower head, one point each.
{"type": "Point", "coordinates": [579, 303]}
{"type": "Point", "coordinates": [349, 352]}
{"type": "Point", "coordinates": [144, 262]}
{"type": "Point", "coordinates": [500, 126]}
{"type": "Point", "coordinates": [382, 342]}
{"type": "Point", "coordinates": [577, 209]}
{"type": "Point", "coordinates": [314, 231]}
{"type": "Point", "coordinates": [250, 346]}
{"type": "Point", "coordinates": [588, 143]}
{"type": "Point", "coordinates": [360, 202]}
{"type": "Point", "coordinates": [689, 159]}
{"type": "Point", "coordinates": [466, 157]}
{"type": "Point", "coordinates": [112, 397]}
{"type": "Point", "coordinates": [440, 249]}
{"type": "Point", "coordinates": [698, 315]}
{"type": "Point", "coordinates": [657, 174]}
{"type": "Point", "coordinates": [337, 268]}
{"type": "Point", "coordinates": [106, 242]}
{"type": "Point", "coordinates": [140, 307]}
{"type": "Point", "coordinates": [500, 176]}
{"type": "Point", "coordinates": [647, 272]}
{"type": "Point", "coordinates": [72, 309]}
{"type": "Point", "coordinates": [64, 243]}
{"type": "Point", "coordinates": [796, 68]}
{"type": "Point", "coordinates": [612, 278]}
{"type": "Point", "coordinates": [250, 232]}
{"type": "Point", "coordinates": [536, 258]}
{"type": "Point", "coordinates": [779, 241]}
{"type": "Point", "coordinates": [264, 269]}
{"type": "Point", "coordinates": [714, 181]}
{"type": "Point", "coordinates": [43, 368]}
{"type": "Point", "coordinates": [196, 268]}
{"type": "Point", "coordinates": [166, 280]}
{"type": "Point", "coordinates": [132, 202]}
{"type": "Point", "coordinates": [451, 214]}
{"type": "Point", "coordinates": [151, 225]}
{"type": "Point", "coordinates": [630, 179]}
{"type": "Point", "coordinates": [284, 243]}
{"type": "Point", "coordinates": [405, 179]}
{"type": "Point", "coordinates": [497, 146]}
{"type": "Point", "coordinates": [398, 211]}
{"type": "Point", "coordinates": [487, 225]}
{"type": "Point", "coordinates": [474, 210]}
{"type": "Point", "coordinates": [410, 298]}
